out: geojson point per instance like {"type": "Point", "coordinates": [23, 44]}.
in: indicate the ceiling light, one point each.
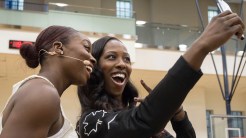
{"type": "Point", "coordinates": [182, 47]}
{"type": "Point", "coordinates": [138, 45]}
{"type": "Point", "coordinates": [184, 25]}
{"type": "Point", "coordinates": [127, 36]}
{"type": "Point", "coordinates": [140, 22]}
{"type": "Point", "coordinates": [60, 4]}
{"type": "Point", "coordinates": [239, 53]}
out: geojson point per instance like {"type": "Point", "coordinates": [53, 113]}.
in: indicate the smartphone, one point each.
{"type": "Point", "coordinates": [223, 6]}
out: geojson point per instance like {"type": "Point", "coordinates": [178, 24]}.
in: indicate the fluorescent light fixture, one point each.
{"type": "Point", "coordinates": [126, 36]}
{"type": "Point", "coordinates": [138, 45]}
{"type": "Point", "coordinates": [113, 35]}
{"type": "Point", "coordinates": [184, 25]}
{"type": "Point", "coordinates": [140, 22]}
{"type": "Point", "coordinates": [160, 47]}
{"type": "Point", "coordinates": [239, 53]}
{"type": "Point", "coordinates": [182, 47]}
{"type": "Point", "coordinates": [61, 4]}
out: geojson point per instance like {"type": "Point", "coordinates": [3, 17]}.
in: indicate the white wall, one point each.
{"type": "Point", "coordinates": [163, 60]}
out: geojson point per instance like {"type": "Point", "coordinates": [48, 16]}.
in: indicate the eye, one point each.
{"type": "Point", "coordinates": [87, 48]}
{"type": "Point", "coordinates": [87, 45]}
{"type": "Point", "coordinates": [127, 59]}
{"type": "Point", "coordinates": [111, 57]}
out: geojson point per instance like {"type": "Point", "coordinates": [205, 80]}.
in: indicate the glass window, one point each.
{"type": "Point", "coordinates": [212, 11]}
{"type": "Point", "coordinates": [14, 4]}
{"type": "Point", "coordinates": [208, 113]}
{"type": "Point", "coordinates": [124, 8]}
{"type": "Point", "coordinates": [237, 123]}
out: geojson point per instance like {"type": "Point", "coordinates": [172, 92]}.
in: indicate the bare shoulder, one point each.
{"type": "Point", "coordinates": [36, 107]}
{"type": "Point", "coordinates": [37, 101]}
{"type": "Point", "coordinates": [38, 94]}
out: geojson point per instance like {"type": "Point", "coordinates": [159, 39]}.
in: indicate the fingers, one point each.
{"type": "Point", "coordinates": [236, 24]}
{"type": "Point", "coordinates": [229, 16]}
{"type": "Point", "coordinates": [232, 23]}
{"type": "Point", "coordinates": [138, 99]}
{"type": "Point", "coordinates": [234, 19]}
{"type": "Point", "coordinates": [239, 31]}
{"type": "Point", "coordinates": [224, 13]}
{"type": "Point", "coordinates": [147, 88]}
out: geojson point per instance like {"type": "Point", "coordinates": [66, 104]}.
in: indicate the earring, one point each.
{"type": "Point", "coordinates": [52, 53]}
{"type": "Point", "coordinates": [61, 52]}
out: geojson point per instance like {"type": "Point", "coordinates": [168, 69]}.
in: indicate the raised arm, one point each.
{"type": "Point", "coordinates": [218, 31]}
{"type": "Point", "coordinates": [160, 105]}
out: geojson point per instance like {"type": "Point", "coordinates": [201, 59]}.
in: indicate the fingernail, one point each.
{"type": "Point", "coordinates": [242, 37]}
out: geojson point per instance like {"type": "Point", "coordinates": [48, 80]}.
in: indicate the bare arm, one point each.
{"type": "Point", "coordinates": [35, 109]}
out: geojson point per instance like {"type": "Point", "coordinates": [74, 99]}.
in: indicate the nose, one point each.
{"type": "Point", "coordinates": [121, 64]}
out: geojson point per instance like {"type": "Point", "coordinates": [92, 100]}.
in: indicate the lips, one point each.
{"type": "Point", "coordinates": [88, 68]}
{"type": "Point", "coordinates": [119, 78]}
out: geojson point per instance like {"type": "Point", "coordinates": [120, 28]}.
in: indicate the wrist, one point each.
{"type": "Point", "coordinates": [178, 111]}
{"type": "Point", "coordinates": [195, 55]}
{"type": "Point", "coordinates": [179, 115]}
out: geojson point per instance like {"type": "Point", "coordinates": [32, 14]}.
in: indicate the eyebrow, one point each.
{"type": "Point", "coordinates": [87, 41]}
{"type": "Point", "coordinates": [125, 53]}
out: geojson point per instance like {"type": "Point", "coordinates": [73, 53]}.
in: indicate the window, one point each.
{"type": "Point", "coordinates": [14, 4]}
{"type": "Point", "coordinates": [208, 113]}
{"type": "Point", "coordinates": [124, 8]}
{"type": "Point", "coordinates": [237, 123]}
{"type": "Point", "coordinates": [212, 11]}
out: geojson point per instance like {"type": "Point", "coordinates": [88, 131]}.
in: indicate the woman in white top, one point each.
{"type": "Point", "coordinates": [33, 110]}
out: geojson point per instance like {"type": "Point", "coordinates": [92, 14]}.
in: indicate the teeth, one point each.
{"type": "Point", "coordinates": [89, 68]}
{"type": "Point", "coordinates": [119, 75]}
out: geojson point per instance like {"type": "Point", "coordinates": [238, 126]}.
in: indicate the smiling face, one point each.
{"type": "Point", "coordinates": [116, 67]}
{"type": "Point", "coordinates": [79, 47]}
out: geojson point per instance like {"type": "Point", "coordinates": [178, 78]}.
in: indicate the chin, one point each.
{"type": "Point", "coordinates": [81, 82]}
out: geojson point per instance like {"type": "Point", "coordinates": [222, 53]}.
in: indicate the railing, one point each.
{"type": "Point", "coordinates": [89, 10]}
{"type": "Point", "coordinates": [13, 5]}
{"type": "Point", "coordinates": [150, 35]}
{"type": "Point", "coordinates": [176, 37]}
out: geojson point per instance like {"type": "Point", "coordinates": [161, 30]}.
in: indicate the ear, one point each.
{"type": "Point", "coordinates": [58, 47]}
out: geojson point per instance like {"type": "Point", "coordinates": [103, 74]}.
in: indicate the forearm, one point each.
{"type": "Point", "coordinates": [196, 54]}
{"type": "Point", "coordinates": [183, 128]}
{"type": "Point", "coordinates": [161, 104]}
{"type": "Point", "coordinates": [153, 113]}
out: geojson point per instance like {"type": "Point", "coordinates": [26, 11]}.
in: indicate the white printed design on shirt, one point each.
{"type": "Point", "coordinates": [94, 119]}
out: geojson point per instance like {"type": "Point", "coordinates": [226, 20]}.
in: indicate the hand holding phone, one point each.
{"type": "Point", "coordinates": [223, 6]}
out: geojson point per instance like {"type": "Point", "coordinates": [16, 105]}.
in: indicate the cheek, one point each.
{"type": "Point", "coordinates": [105, 71]}
{"type": "Point", "coordinates": [105, 67]}
{"type": "Point", "coordinates": [129, 70]}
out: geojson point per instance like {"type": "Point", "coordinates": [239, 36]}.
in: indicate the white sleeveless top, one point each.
{"type": "Point", "coordinates": [67, 130]}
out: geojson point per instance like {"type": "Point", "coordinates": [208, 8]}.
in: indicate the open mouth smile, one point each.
{"type": "Point", "coordinates": [119, 78]}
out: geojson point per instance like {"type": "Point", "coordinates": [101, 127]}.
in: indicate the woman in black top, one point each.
{"type": "Point", "coordinates": [109, 113]}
